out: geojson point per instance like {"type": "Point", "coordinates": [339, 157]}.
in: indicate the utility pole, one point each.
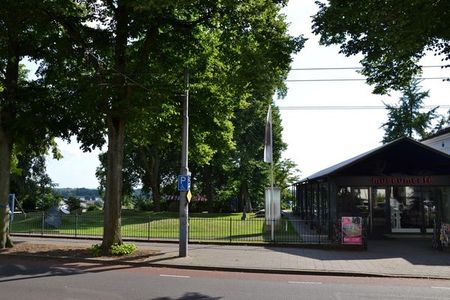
{"type": "Point", "coordinates": [183, 179]}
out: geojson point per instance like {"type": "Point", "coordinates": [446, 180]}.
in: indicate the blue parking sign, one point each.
{"type": "Point", "coordinates": [184, 182]}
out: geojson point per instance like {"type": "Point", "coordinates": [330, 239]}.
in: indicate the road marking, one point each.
{"type": "Point", "coordinates": [441, 287]}
{"type": "Point", "coordinates": [304, 282]}
{"type": "Point", "coordinates": [174, 276]}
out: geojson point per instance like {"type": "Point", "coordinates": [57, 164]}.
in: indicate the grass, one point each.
{"type": "Point", "coordinates": [163, 225]}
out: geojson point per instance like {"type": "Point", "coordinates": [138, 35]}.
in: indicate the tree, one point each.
{"type": "Point", "coordinates": [29, 179]}
{"type": "Point", "coordinates": [286, 175]}
{"type": "Point", "coordinates": [242, 59]}
{"type": "Point", "coordinates": [406, 118]}
{"type": "Point", "coordinates": [392, 35]}
{"type": "Point", "coordinates": [442, 122]}
{"type": "Point", "coordinates": [123, 58]}
{"type": "Point", "coordinates": [29, 117]}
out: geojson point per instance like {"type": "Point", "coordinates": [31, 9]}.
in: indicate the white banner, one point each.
{"type": "Point", "coordinates": [273, 208]}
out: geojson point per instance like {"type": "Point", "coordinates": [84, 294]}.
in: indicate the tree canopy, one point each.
{"type": "Point", "coordinates": [391, 35]}
{"type": "Point", "coordinates": [124, 60]}
{"type": "Point", "coordinates": [114, 69]}
{"type": "Point", "coordinates": [30, 113]}
{"type": "Point", "coordinates": [407, 118]}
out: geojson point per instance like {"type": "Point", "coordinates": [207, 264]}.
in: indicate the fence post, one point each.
{"type": "Point", "coordinates": [272, 229]}
{"type": "Point", "coordinates": [148, 228]}
{"type": "Point", "coordinates": [43, 223]}
{"type": "Point", "coordinates": [231, 229]}
{"type": "Point", "coordinates": [320, 232]}
{"type": "Point", "coordinates": [76, 224]}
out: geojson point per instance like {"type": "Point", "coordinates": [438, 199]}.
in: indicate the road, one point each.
{"type": "Point", "coordinates": [25, 278]}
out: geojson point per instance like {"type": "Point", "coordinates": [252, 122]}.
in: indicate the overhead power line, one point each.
{"type": "Point", "coordinates": [353, 79]}
{"type": "Point", "coordinates": [349, 107]}
{"type": "Point", "coordinates": [352, 68]}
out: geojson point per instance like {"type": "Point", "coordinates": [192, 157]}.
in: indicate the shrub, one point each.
{"type": "Point", "coordinates": [143, 204]}
{"type": "Point", "coordinates": [96, 250]}
{"type": "Point", "coordinates": [47, 201]}
{"type": "Point", "coordinates": [123, 249]}
{"type": "Point", "coordinates": [93, 208]}
{"type": "Point", "coordinates": [115, 250]}
{"type": "Point", "coordinates": [74, 203]}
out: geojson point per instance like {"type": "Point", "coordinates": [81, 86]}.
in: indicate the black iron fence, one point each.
{"type": "Point", "coordinates": [205, 229]}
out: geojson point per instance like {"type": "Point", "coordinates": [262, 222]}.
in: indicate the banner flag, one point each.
{"type": "Point", "coordinates": [268, 155]}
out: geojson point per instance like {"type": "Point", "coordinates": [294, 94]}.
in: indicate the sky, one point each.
{"type": "Point", "coordinates": [316, 138]}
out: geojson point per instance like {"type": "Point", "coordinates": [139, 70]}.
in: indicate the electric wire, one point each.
{"type": "Point", "coordinates": [355, 79]}
{"type": "Point", "coordinates": [353, 68]}
{"type": "Point", "coordinates": [350, 107]}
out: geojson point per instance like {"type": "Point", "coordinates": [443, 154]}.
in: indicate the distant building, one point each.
{"type": "Point", "coordinates": [440, 140]}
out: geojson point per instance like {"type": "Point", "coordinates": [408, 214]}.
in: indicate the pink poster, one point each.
{"type": "Point", "coordinates": [352, 231]}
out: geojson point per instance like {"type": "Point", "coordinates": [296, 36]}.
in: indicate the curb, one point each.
{"type": "Point", "coordinates": [323, 246]}
{"type": "Point", "coordinates": [231, 269]}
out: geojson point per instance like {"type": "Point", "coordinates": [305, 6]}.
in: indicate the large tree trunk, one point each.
{"type": "Point", "coordinates": [5, 162]}
{"type": "Point", "coordinates": [115, 120]}
{"type": "Point", "coordinates": [113, 193]}
{"type": "Point", "coordinates": [7, 118]}
{"type": "Point", "coordinates": [244, 199]}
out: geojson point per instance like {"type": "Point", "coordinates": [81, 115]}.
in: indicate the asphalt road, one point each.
{"type": "Point", "coordinates": [56, 279]}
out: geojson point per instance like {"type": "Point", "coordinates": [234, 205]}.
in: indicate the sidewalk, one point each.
{"type": "Point", "coordinates": [394, 257]}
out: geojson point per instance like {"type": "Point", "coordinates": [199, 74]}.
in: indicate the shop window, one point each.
{"type": "Point", "coordinates": [445, 204]}
{"type": "Point", "coordinates": [353, 201]}
{"type": "Point", "coordinates": [406, 208]}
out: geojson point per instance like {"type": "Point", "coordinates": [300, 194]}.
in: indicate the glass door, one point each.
{"type": "Point", "coordinates": [377, 216]}
{"type": "Point", "coordinates": [406, 208]}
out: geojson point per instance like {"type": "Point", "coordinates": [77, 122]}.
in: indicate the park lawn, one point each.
{"type": "Point", "coordinates": [162, 225]}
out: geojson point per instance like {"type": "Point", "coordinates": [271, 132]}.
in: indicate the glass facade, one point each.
{"type": "Point", "coordinates": [352, 201]}
{"type": "Point", "coordinates": [445, 204]}
{"type": "Point", "coordinates": [396, 209]}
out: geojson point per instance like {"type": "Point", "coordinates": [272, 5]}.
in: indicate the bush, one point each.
{"type": "Point", "coordinates": [115, 250]}
{"type": "Point", "coordinates": [143, 204]}
{"type": "Point", "coordinates": [73, 203]}
{"type": "Point", "coordinates": [47, 201]}
{"type": "Point", "coordinates": [123, 249]}
{"type": "Point", "coordinates": [93, 208]}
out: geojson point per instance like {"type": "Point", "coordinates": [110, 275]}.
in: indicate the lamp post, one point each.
{"type": "Point", "coordinates": [184, 172]}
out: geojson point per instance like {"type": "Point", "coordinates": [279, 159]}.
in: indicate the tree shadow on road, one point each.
{"type": "Point", "coordinates": [189, 296]}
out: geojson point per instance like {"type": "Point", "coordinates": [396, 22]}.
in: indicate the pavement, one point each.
{"type": "Point", "coordinates": [409, 258]}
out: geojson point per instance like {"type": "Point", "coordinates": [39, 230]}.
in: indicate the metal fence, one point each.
{"type": "Point", "coordinates": [228, 230]}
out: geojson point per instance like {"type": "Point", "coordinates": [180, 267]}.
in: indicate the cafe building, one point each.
{"type": "Point", "coordinates": [400, 187]}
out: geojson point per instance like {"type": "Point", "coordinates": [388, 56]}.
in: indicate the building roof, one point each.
{"type": "Point", "coordinates": [403, 155]}
{"type": "Point", "coordinates": [438, 133]}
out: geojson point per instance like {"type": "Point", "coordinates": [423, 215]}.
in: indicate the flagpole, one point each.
{"type": "Point", "coordinates": [268, 157]}
{"type": "Point", "coordinates": [272, 208]}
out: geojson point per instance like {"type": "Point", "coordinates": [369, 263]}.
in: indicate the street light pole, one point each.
{"type": "Point", "coordinates": [184, 207]}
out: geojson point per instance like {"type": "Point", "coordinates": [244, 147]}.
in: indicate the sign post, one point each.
{"type": "Point", "coordinates": [12, 207]}
{"type": "Point", "coordinates": [183, 179]}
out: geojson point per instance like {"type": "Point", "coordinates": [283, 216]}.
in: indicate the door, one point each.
{"type": "Point", "coordinates": [377, 215]}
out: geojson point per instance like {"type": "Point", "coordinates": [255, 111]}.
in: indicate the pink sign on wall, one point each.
{"type": "Point", "coordinates": [352, 230]}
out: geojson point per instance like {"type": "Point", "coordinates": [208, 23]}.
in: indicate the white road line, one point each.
{"type": "Point", "coordinates": [174, 276]}
{"type": "Point", "coordinates": [441, 287]}
{"type": "Point", "coordinates": [304, 282]}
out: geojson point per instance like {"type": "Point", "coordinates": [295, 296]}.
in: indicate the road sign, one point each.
{"type": "Point", "coordinates": [189, 196]}
{"type": "Point", "coordinates": [184, 183]}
